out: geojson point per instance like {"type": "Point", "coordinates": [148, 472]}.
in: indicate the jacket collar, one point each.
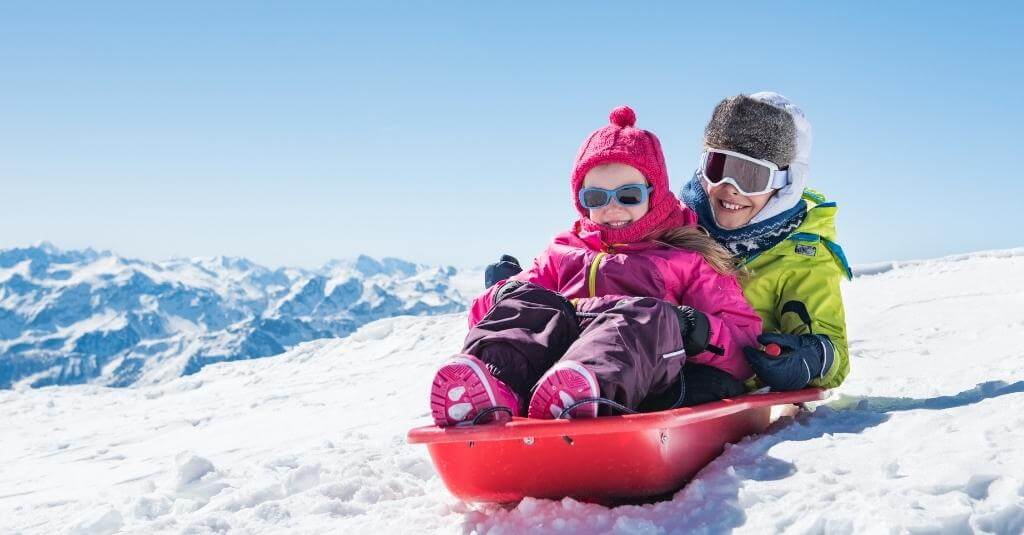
{"type": "Point", "coordinates": [591, 239]}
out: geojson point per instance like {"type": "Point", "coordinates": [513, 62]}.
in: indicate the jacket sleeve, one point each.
{"type": "Point", "coordinates": [734, 323]}
{"type": "Point", "coordinates": [811, 303]}
{"type": "Point", "coordinates": [543, 273]}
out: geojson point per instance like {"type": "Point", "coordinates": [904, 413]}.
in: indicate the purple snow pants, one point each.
{"type": "Point", "coordinates": [632, 344]}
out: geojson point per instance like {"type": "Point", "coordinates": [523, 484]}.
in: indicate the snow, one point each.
{"type": "Point", "coordinates": [106, 320]}
{"type": "Point", "coordinates": [925, 436]}
{"type": "Point", "coordinates": [882, 267]}
{"type": "Point", "coordinates": [20, 269]}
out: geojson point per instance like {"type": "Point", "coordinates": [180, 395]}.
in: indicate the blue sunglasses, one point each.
{"type": "Point", "coordinates": [628, 195]}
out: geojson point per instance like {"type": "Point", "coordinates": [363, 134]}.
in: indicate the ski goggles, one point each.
{"type": "Point", "coordinates": [749, 175]}
{"type": "Point", "coordinates": [628, 195]}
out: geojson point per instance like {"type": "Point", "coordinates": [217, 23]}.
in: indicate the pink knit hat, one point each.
{"type": "Point", "coordinates": [621, 142]}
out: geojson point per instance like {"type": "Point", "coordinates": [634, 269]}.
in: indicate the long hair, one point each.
{"type": "Point", "coordinates": [695, 238]}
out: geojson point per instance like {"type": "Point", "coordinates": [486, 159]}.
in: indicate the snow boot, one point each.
{"type": "Point", "coordinates": [564, 384]}
{"type": "Point", "coordinates": [464, 388]}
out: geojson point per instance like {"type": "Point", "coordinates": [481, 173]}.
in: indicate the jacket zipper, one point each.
{"type": "Point", "coordinates": [592, 274]}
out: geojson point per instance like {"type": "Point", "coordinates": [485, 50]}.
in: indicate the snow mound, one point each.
{"type": "Point", "coordinates": [924, 437]}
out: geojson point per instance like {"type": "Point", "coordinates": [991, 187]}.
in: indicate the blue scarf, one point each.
{"type": "Point", "coordinates": [748, 241]}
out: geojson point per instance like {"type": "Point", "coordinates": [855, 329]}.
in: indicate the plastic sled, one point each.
{"type": "Point", "coordinates": [612, 458]}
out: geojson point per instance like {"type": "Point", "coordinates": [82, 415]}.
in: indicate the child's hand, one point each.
{"type": "Point", "coordinates": [504, 268]}
{"type": "Point", "coordinates": [511, 289]}
{"type": "Point", "coordinates": [803, 359]}
{"type": "Point", "coordinates": [696, 331]}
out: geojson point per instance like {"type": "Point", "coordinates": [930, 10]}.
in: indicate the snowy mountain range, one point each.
{"type": "Point", "coordinates": [77, 316]}
{"type": "Point", "coordinates": [923, 437]}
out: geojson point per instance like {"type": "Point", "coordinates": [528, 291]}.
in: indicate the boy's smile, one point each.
{"type": "Point", "coordinates": [731, 208]}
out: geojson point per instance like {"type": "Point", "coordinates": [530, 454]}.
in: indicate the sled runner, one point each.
{"type": "Point", "coordinates": [632, 456]}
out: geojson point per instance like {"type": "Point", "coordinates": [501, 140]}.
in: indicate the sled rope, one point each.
{"type": "Point", "coordinates": [601, 401]}
{"type": "Point", "coordinates": [491, 410]}
{"type": "Point", "coordinates": [620, 407]}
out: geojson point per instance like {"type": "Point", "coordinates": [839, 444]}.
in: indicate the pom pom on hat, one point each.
{"type": "Point", "coordinates": [623, 116]}
{"type": "Point", "coordinates": [621, 142]}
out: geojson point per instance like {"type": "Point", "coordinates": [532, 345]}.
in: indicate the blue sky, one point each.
{"type": "Point", "coordinates": [291, 133]}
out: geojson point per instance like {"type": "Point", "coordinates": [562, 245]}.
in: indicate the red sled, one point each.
{"type": "Point", "coordinates": [613, 458]}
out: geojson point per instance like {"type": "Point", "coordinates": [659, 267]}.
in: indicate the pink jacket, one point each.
{"type": "Point", "coordinates": [578, 264]}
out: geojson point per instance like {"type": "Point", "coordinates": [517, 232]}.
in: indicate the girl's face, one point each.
{"type": "Point", "coordinates": [611, 176]}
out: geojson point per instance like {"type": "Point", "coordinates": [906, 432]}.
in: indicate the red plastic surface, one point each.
{"type": "Point", "coordinates": [614, 457]}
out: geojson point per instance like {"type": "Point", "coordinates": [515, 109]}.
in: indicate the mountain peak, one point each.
{"type": "Point", "coordinates": [369, 266]}
{"type": "Point", "coordinates": [46, 247]}
{"type": "Point", "coordinates": [181, 314]}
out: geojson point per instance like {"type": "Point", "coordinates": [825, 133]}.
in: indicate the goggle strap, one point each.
{"type": "Point", "coordinates": [780, 179]}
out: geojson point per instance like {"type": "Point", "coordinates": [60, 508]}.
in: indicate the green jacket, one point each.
{"type": "Point", "coordinates": [802, 273]}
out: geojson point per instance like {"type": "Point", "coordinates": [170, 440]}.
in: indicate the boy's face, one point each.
{"type": "Point", "coordinates": [611, 176]}
{"type": "Point", "coordinates": [733, 209]}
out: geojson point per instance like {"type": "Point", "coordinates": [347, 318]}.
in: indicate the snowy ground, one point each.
{"type": "Point", "coordinates": [927, 436]}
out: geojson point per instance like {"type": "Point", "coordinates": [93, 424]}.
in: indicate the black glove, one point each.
{"type": "Point", "coordinates": [804, 357]}
{"type": "Point", "coordinates": [506, 288]}
{"type": "Point", "coordinates": [696, 331]}
{"type": "Point", "coordinates": [504, 268]}
{"type": "Point", "coordinates": [510, 286]}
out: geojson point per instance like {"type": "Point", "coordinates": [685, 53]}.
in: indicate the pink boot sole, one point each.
{"type": "Point", "coordinates": [462, 388]}
{"type": "Point", "coordinates": [564, 384]}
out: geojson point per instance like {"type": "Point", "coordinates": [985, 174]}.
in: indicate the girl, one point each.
{"type": "Point", "coordinates": [749, 193]}
{"type": "Point", "coordinates": [647, 293]}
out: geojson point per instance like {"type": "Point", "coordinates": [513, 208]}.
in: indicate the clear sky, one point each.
{"type": "Point", "coordinates": [443, 132]}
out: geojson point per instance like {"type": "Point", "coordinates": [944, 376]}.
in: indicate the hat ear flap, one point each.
{"type": "Point", "coordinates": [655, 148]}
